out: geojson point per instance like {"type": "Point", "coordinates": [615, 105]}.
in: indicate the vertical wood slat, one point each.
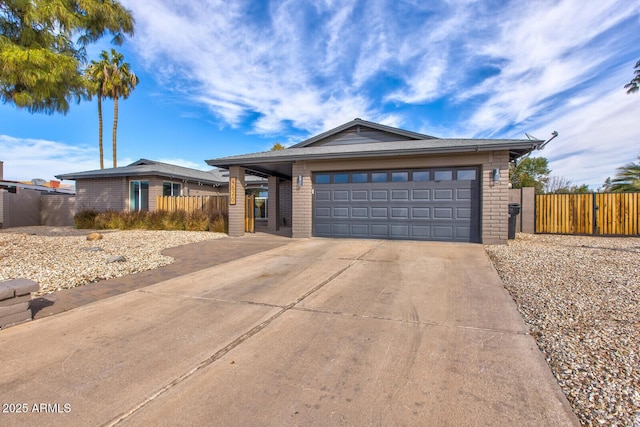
{"type": "Point", "coordinates": [207, 204]}
{"type": "Point", "coordinates": [613, 214]}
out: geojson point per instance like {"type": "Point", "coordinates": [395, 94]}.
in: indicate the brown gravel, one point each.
{"type": "Point", "coordinates": [580, 297]}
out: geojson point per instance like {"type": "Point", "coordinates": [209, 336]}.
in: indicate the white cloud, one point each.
{"type": "Point", "coordinates": [25, 159]}
{"type": "Point", "coordinates": [503, 68]}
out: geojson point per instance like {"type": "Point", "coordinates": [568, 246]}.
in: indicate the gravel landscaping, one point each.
{"type": "Point", "coordinates": [580, 297]}
{"type": "Point", "coordinates": [62, 257]}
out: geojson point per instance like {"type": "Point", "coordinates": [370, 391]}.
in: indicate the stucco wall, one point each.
{"type": "Point", "coordinates": [57, 209]}
{"type": "Point", "coordinates": [20, 209]}
{"type": "Point", "coordinates": [525, 222]}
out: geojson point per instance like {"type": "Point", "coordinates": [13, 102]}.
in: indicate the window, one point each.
{"type": "Point", "coordinates": [139, 195]}
{"type": "Point", "coordinates": [340, 178]}
{"type": "Point", "coordinates": [420, 176]}
{"type": "Point", "coordinates": [466, 174]}
{"type": "Point", "coordinates": [323, 178]}
{"type": "Point", "coordinates": [360, 177]}
{"type": "Point", "coordinates": [171, 189]}
{"type": "Point", "coordinates": [379, 177]}
{"type": "Point", "coordinates": [261, 208]}
{"type": "Point", "coordinates": [443, 175]}
{"type": "Point", "coordinates": [399, 176]}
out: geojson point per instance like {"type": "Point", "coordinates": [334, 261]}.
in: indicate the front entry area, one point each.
{"type": "Point", "coordinates": [434, 204]}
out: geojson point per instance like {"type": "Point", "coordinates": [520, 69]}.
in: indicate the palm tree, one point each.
{"type": "Point", "coordinates": [627, 178]}
{"type": "Point", "coordinates": [634, 84]}
{"type": "Point", "coordinates": [96, 75]}
{"type": "Point", "coordinates": [119, 82]}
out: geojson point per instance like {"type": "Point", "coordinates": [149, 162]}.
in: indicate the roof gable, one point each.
{"type": "Point", "coordinates": [360, 132]}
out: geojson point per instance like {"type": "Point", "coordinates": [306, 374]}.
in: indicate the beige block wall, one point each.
{"type": "Point", "coordinates": [285, 203]}
{"type": "Point", "coordinates": [20, 209]}
{"type": "Point", "coordinates": [57, 209]}
{"type": "Point", "coordinates": [494, 195]}
{"type": "Point", "coordinates": [237, 211]}
{"type": "Point", "coordinates": [301, 200]}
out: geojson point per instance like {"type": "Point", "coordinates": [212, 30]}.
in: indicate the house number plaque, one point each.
{"type": "Point", "coordinates": [232, 191]}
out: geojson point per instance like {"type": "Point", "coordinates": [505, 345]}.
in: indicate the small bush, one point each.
{"type": "Point", "coordinates": [85, 219]}
{"type": "Point", "coordinates": [157, 220]}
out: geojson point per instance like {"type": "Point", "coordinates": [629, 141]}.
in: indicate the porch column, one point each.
{"type": "Point", "coordinates": [273, 204]}
{"type": "Point", "coordinates": [301, 201]}
{"type": "Point", "coordinates": [237, 210]}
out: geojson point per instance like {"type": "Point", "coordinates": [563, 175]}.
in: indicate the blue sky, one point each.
{"type": "Point", "coordinates": [222, 78]}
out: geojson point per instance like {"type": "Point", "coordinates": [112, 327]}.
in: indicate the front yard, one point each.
{"type": "Point", "coordinates": [580, 297]}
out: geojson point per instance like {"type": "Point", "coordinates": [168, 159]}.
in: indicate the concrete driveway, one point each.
{"type": "Point", "coordinates": [316, 332]}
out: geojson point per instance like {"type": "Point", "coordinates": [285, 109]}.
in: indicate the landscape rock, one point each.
{"type": "Point", "coordinates": [580, 297]}
{"type": "Point", "coordinates": [117, 258]}
{"type": "Point", "coordinates": [94, 236]}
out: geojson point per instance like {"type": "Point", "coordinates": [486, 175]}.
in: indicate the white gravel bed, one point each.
{"type": "Point", "coordinates": [580, 297]}
{"type": "Point", "coordinates": [62, 257]}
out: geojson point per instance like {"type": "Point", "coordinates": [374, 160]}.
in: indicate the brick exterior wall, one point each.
{"type": "Point", "coordinates": [494, 196]}
{"type": "Point", "coordinates": [495, 199]}
{"type": "Point", "coordinates": [273, 206]}
{"type": "Point", "coordinates": [285, 203]}
{"type": "Point", "coordinates": [237, 211]}
{"type": "Point", "coordinates": [102, 194]}
{"type": "Point", "coordinates": [301, 200]}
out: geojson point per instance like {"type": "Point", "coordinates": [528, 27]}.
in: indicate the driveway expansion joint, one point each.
{"type": "Point", "coordinates": [233, 344]}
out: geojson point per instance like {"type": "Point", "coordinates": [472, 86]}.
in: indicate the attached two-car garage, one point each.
{"type": "Point", "coordinates": [419, 204]}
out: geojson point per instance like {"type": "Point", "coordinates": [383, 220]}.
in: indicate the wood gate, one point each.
{"type": "Point", "coordinates": [605, 214]}
{"type": "Point", "coordinates": [250, 214]}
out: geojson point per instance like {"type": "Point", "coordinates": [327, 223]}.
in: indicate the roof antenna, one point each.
{"type": "Point", "coordinates": [554, 134]}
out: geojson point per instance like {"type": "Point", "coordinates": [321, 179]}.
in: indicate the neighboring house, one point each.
{"type": "Point", "coordinates": [368, 180]}
{"type": "Point", "coordinates": [136, 186]}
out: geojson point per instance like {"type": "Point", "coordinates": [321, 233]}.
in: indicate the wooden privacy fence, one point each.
{"type": "Point", "coordinates": [606, 214]}
{"type": "Point", "coordinates": [208, 204]}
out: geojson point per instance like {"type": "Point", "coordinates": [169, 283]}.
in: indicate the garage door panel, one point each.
{"type": "Point", "coordinates": [341, 195]}
{"type": "Point", "coordinates": [446, 210]}
{"type": "Point", "coordinates": [360, 195]}
{"type": "Point", "coordinates": [421, 194]}
{"type": "Point", "coordinates": [421, 213]}
{"type": "Point", "coordinates": [341, 212]}
{"type": "Point", "coordinates": [379, 230]}
{"type": "Point", "coordinates": [360, 230]}
{"type": "Point", "coordinates": [378, 195]}
{"type": "Point", "coordinates": [443, 232]}
{"type": "Point", "coordinates": [463, 213]}
{"type": "Point", "coordinates": [400, 195]}
{"type": "Point", "coordinates": [421, 232]}
{"type": "Point", "coordinates": [379, 213]}
{"type": "Point", "coordinates": [360, 213]}
{"type": "Point", "coordinates": [399, 213]}
{"type": "Point", "coordinates": [463, 194]}
{"type": "Point", "coordinates": [399, 231]}
{"type": "Point", "coordinates": [446, 194]}
{"type": "Point", "coordinates": [340, 229]}
{"type": "Point", "coordinates": [442, 213]}
{"type": "Point", "coordinates": [323, 212]}
{"type": "Point", "coordinates": [323, 195]}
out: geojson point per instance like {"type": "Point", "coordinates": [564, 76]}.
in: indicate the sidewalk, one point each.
{"type": "Point", "coordinates": [188, 259]}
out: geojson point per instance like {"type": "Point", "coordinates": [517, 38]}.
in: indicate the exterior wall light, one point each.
{"type": "Point", "coordinates": [300, 181]}
{"type": "Point", "coordinates": [496, 175]}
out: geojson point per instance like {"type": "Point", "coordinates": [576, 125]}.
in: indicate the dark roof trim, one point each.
{"type": "Point", "coordinates": [516, 149]}
{"type": "Point", "coordinates": [355, 122]}
{"type": "Point", "coordinates": [145, 167]}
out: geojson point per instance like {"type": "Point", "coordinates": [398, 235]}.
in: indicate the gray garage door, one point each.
{"type": "Point", "coordinates": [426, 204]}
